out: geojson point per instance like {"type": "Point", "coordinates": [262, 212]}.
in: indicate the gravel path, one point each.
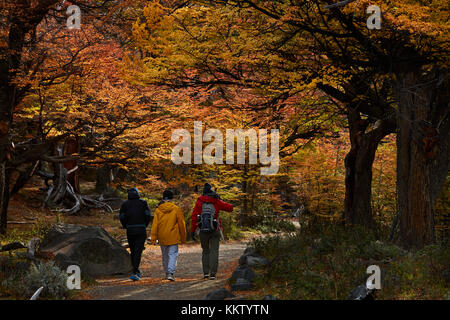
{"type": "Point", "coordinates": [188, 285]}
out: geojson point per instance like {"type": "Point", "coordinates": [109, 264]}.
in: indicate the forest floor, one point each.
{"type": "Point", "coordinates": [189, 284]}
{"type": "Point", "coordinates": [28, 219]}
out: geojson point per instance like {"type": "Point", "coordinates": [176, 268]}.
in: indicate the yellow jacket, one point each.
{"type": "Point", "coordinates": [168, 225]}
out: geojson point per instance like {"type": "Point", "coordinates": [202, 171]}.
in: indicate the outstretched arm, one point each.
{"type": "Point", "coordinates": [225, 206]}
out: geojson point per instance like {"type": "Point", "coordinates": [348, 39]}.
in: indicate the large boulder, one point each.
{"type": "Point", "coordinates": [269, 297]}
{"type": "Point", "coordinates": [243, 272]}
{"type": "Point", "coordinates": [91, 248]}
{"type": "Point", "coordinates": [362, 293]}
{"type": "Point", "coordinates": [220, 294]}
{"type": "Point", "coordinates": [253, 260]}
{"type": "Point", "coordinates": [242, 285]}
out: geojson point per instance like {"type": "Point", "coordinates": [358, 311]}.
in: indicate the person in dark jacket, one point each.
{"type": "Point", "coordinates": [135, 216]}
{"type": "Point", "coordinates": [210, 241]}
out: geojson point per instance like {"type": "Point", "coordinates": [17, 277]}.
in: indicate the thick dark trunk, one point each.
{"type": "Point", "coordinates": [358, 185]}
{"type": "Point", "coordinates": [23, 178]}
{"type": "Point", "coordinates": [4, 197]}
{"type": "Point", "coordinates": [358, 166]}
{"type": "Point", "coordinates": [3, 220]}
{"type": "Point", "coordinates": [422, 153]}
{"type": "Point", "coordinates": [72, 146]}
{"type": "Point", "coordinates": [103, 179]}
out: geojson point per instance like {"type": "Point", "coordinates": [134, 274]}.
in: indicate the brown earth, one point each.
{"type": "Point", "coordinates": [189, 284]}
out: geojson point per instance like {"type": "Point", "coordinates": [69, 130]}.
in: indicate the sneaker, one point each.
{"type": "Point", "coordinates": [170, 277]}
{"type": "Point", "coordinates": [212, 277]}
{"type": "Point", "coordinates": [139, 274]}
{"type": "Point", "coordinates": [206, 276]}
{"type": "Point", "coordinates": [135, 277]}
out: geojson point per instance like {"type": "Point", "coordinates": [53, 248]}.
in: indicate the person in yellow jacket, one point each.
{"type": "Point", "coordinates": [169, 228]}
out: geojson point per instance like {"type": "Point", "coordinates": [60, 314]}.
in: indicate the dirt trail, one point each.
{"type": "Point", "coordinates": [188, 285]}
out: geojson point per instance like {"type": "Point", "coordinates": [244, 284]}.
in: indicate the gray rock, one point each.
{"type": "Point", "coordinates": [244, 272]}
{"type": "Point", "coordinates": [257, 261]}
{"type": "Point", "coordinates": [243, 260]}
{"type": "Point", "coordinates": [361, 293]}
{"type": "Point", "coordinates": [91, 248]}
{"type": "Point", "coordinates": [220, 294]}
{"type": "Point", "coordinates": [446, 275]}
{"type": "Point", "coordinates": [253, 261]}
{"type": "Point", "coordinates": [249, 251]}
{"type": "Point", "coordinates": [269, 297]}
{"type": "Point", "coordinates": [242, 285]}
{"type": "Point", "coordinates": [33, 246]}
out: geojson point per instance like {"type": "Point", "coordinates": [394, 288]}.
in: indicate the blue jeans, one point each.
{"type": "Point", "coordinates": [169, 258]}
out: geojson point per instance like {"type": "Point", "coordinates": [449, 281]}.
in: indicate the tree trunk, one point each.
{"type": "Point", "coordinates": [4, 186]}
{"type": "Point", "coordinates": [358, 166]}
{"type": "Point", "coordinates": [422, 153]}
{"type": "Point", "coordinates": [103, 179]}
{"type": "Point", "coordinates": [71, 146]}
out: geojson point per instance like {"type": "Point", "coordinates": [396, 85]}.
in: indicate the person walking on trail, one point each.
{"type": "Point", "coordinates": [135, 216]}
{"type": "Point", "coordinates": [206, 217]}
{"type": "Point", "coordinates": [169, 229]}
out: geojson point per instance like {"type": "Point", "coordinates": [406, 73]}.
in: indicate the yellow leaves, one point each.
{"type": "Point", "coordinates": [3, 128]}
{"type": "Point", "coordinates": [154, 12]}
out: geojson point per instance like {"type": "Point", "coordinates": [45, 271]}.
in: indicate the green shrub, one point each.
{"type": "Point", "coordinates": [49, 276]}
{"type": "Point", "coordinates": [273, 224]}
{"type": "Point", "coordinates": [231, 230]}
{"type": "Point", "coordinates": [327, 262]}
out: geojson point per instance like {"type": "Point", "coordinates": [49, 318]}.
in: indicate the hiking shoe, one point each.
{"type": "Point", "coordinates": [135, 277]}
{"type": "Point", "coordinates": [212, 277]}
{"type": "Point", "coordinates": [170, 277]}
{"type": "Point", "coordinates": [206, 276]}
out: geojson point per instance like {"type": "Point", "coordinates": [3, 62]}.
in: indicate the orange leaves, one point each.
{"type": "Point", "coordinates": [3, 128]}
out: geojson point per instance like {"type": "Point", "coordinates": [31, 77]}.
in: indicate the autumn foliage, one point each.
{"type": "Point", "coordinates": [362, 114]}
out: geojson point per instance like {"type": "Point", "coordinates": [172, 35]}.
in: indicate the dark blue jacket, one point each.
{"type": "Point", "coordinates": [134, 213]}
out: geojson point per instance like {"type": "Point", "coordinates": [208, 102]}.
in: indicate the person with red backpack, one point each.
{"type": "Point", "coordinates": [206, 217]}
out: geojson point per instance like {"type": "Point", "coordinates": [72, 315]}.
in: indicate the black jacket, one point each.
{"type": "Point", "coordinates": [134, 213]}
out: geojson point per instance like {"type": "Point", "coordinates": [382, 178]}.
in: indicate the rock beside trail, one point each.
{"type": "Point", "coordinates": [243, 272]}
{"type": "Point", "coordinates": [91, 248]}
{"type": "Point", "coordinates": [242, 285]}
{"type": "Point", "coordinates": [253, 260]}
{"type": "Point", "coordinates": [361, 293]}
{"type": "Point", "coordinates": [243, 276]}
{"type": "Point", "coordinates": [249, 251]}
{"type": "Point", "coordinates": [446, 275]}
{"type": "Point", "coordinates": [220, 294]}
{"type": "Point", "coordinates": [269, 297]}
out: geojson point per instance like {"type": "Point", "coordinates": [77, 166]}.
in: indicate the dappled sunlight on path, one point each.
{"type": "Point", "coordinates": [188, 285]}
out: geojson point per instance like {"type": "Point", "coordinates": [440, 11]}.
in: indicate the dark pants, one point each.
{"type": "Point", "coordinates": [210, 256]}
{"type": "Point", "coordinates": [136, 242]}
